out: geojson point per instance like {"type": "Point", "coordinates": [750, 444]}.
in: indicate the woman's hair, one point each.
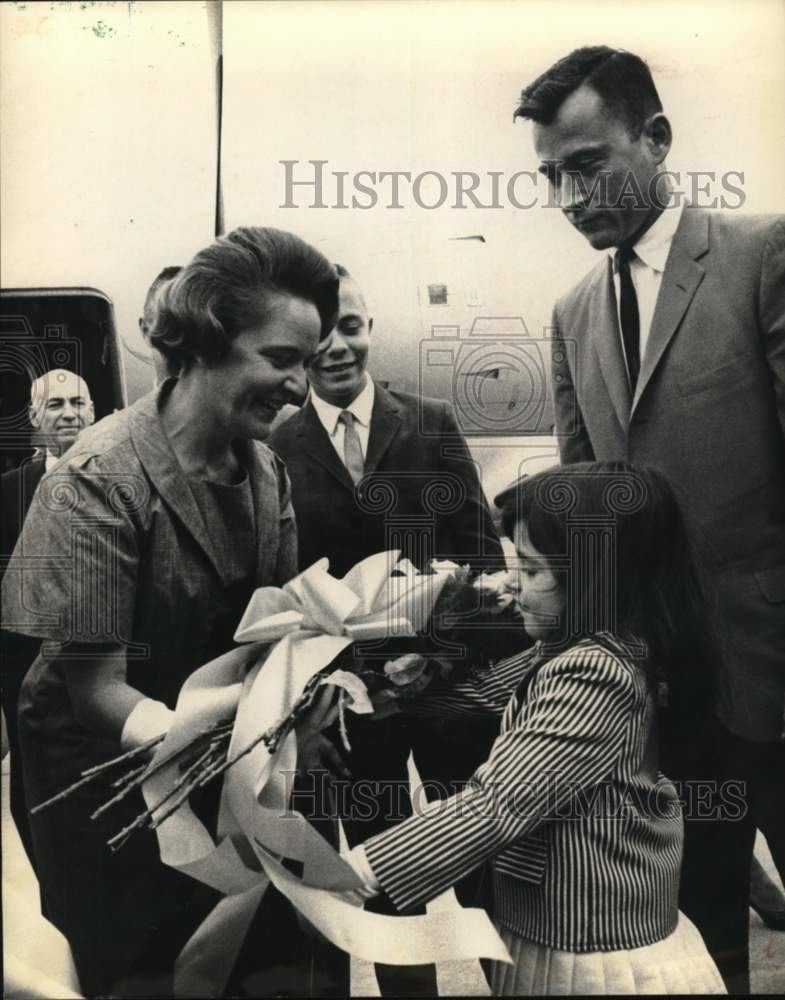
{"type": "Point", "coordinates": [229, 284]}
{"type": "Point", "coordinates": [616, 533]}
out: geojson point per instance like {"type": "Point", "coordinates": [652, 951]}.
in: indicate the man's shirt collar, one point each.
{"type": "Point", "coordinates": [655, 244]}
{"type": "Point", "coordinates": [361, 407]}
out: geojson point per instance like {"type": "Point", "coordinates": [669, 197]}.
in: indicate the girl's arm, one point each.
{"type": "Point", "coordinates": [567, 737]}
{"type": "Point", "coordinates": [486, 693]}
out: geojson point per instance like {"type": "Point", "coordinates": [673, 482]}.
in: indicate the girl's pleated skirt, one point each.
{"type": "Point", "coordinates": [679, 963]}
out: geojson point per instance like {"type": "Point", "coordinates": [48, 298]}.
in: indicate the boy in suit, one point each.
{"type": "Point", "coordinates": [373, 468]}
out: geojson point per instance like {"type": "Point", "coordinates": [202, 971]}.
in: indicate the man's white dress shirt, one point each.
{"type": "Point", "coordinates": [361, 408]}
{"type": "Point", "coordinates": [647, 267]}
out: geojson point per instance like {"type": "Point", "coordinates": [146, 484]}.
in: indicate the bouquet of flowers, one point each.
{"type": "Point", "coordinates": [474, 623]}
{"type": "Point", "coordinates": [440, 622]}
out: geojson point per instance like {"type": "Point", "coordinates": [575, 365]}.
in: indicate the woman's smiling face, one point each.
{"type": "Point", "coordinates": [264, 367]}
{"type": "Point", "coordinates": [541, 598]}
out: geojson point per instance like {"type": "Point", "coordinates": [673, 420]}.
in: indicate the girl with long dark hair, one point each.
{"type": "Point", "coordinates": [584, 831]}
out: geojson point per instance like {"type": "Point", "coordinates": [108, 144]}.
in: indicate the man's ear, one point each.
{"type": "Point", "coordinates": [658, 135]}
{"type": "Point", "coordinates": [33, 416]}
{"type": "Point", "coordinates": [370, 324]}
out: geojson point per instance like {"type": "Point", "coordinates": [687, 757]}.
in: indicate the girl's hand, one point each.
{"type": "Point", "coordinates": [409, 674]}
{"type": "Point", "coordinates": [385, 702]}
{"type": "Point", "coordinates": [315, 751]}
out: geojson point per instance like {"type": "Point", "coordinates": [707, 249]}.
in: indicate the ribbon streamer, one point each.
{"type": "Point", "coordinates": [311, 620]}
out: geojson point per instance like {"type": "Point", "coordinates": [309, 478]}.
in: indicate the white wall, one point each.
{"type": "Point", "coordinates": [108, 148]}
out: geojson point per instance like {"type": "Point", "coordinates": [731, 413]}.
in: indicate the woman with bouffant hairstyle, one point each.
{"type": "Point", "coordinates": [202, 308]}
{"type": "Point", "coordinates": [155, 531]}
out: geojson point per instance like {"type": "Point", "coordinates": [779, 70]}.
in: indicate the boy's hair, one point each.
{"type": "Point", "coordinates": [622, 79]}
{"type": "Point", "coordinates": [152, 292]}
{"type": "Point", "coordinates": [203, 308]}
{"type": "Point", "coordinates": [617, 538]}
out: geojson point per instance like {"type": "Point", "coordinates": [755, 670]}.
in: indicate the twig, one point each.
{"type": "Point", "coordinates": [124, 757]}
{"type": "Point", "coordinates": [180, 791]}
{"type": "Point", "coordinates": [126, 778]}
{"type": "Point", "coordinates": [94, 772]}
{"type": "Point", "coordinates": [129, 785]}
{"type": "Point", "coordinates": [201, 760]}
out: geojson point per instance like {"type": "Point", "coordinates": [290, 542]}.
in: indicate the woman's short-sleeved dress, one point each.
{"type": "Point", "coordinates": [119, 547]}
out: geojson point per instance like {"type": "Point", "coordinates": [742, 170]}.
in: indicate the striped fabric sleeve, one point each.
{"type": "Point", "coordinates": [567, 737]}
{"type": "Point", "coordinates": [483, 694]}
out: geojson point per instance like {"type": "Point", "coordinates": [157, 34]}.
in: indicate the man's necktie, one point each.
{"type": "Point", "coordinates": [352, 450]}
{"type": "Point", "coordinates": [628, 312]}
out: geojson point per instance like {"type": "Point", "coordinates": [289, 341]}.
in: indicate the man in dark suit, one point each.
{"type": "Point", "coordinates": [375, 469]}
{"type": "Point", "coordinates": [680, 364]}
{"type": "Point", "coordinates": [413, 485]}
{"type": "Point", "coordinates": [60, 407]}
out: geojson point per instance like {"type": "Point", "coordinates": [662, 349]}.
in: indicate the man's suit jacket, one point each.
{"type": "Point", "coordinates": [18, 487]}
{"type": "Point", "coordinates": [709, 412]}
{"type": "Point", "coordinates": [19, 651]}
{"type": "Point", "coordinates": [420, 493]}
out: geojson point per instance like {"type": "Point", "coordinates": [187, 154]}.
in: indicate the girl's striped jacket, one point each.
{"type": "Point", "coordinates": [584, 832]}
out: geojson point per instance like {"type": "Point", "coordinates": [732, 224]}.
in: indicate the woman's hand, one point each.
{"type": "Point", "coordinates": [315, 751]}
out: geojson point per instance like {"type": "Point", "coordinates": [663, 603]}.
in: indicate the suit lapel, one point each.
{"type": "Point", "coordinates": [267, 512]}
{"type": "Point", "coordinates": [680, 279]}
{"type": "Point", "coordinates": [160, 463]}
{"type": "Point", "coordinates": [385, 424]}
{"type": "Point", "coordinates": [603, 326]}
{"type": "Point", "coordinates": [33, 473]}
{"type": "Point", "coordinates": [316, 443]}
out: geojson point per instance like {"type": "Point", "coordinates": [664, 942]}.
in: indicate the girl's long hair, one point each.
{"type": "Point", "coordinates": [616, 537]}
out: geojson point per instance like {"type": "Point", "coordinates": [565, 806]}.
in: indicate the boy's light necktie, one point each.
{"type": "Point", "coordinates": [352, 449]}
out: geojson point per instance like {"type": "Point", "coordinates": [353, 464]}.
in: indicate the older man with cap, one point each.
{"type": "Point", "coordinates": [60, 408]}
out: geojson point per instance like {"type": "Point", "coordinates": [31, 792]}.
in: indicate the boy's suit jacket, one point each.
{"type": "Point", "coordinates": [421, 492]}
{"type": "Point", "coordinates": [709, 412]}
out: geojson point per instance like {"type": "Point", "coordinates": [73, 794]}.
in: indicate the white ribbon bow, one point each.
{"type": "Point", "coordinates": [313, 618]}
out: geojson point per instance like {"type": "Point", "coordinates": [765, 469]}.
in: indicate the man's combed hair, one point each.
{"type": "Point", "coordinates": [621, 79]}
{"type": "Point", "coordinates": [229, 284]}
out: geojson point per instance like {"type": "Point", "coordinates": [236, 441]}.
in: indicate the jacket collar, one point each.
{"type": "Point", "coordinates": [157, 456]}
{"type": "Point", "coordinates": [680, 280]}
{"type": "Point", "coordinates": [385, 424]}
{"type": "Point", "coordinates": [361, 407]}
